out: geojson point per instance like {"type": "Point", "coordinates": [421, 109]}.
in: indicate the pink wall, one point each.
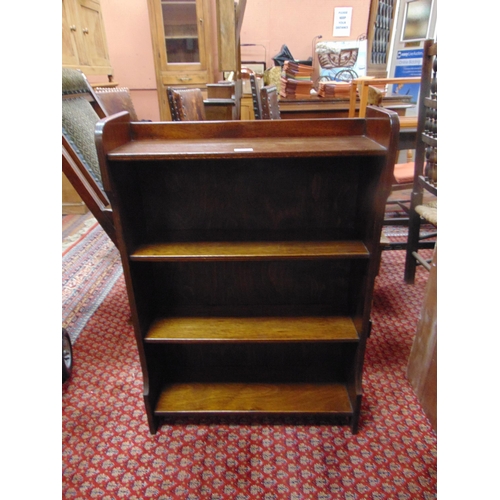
{"type": "Point", "coordinates": [295, 23]}
{"type": "Point", "coordinates": [131, 53]}
{"type": "Point", "coordinates": [271, 23]}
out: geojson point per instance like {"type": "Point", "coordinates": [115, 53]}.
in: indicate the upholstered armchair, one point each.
{"type": "Point", "coordinates": [80, 113]}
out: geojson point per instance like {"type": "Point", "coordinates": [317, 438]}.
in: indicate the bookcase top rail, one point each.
{"type": "Point", "coordinates": [132, 141]}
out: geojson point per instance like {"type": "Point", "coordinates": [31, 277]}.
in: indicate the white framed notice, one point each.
{"type": "Point", "coordinates": [342, 21]}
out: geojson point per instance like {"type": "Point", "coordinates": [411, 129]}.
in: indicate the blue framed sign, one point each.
{"type": "Point", "coordinates": [408, 65]}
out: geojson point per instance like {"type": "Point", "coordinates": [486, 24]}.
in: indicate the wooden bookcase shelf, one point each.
{"type": "Point", "coordinates": [266, 399]}
{"type": "Point", "coordinates": [252, 329]}
{"type": "Point", "coordinates": [250, 251]}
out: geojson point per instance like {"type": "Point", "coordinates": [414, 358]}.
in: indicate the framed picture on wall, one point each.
{"type": "Point", "coordinates": [342, 61]}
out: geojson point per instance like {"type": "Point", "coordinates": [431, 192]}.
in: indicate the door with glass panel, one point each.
{"type": "Point", "coordinates": [181, 32]}
{"type": "Point", "coordinates": [184, 26]}
{"type": "Point", "coordinates": [180, 25]}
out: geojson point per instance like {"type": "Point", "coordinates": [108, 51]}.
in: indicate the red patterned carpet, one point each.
{"type": "Point", "coordinates": [109, 454]}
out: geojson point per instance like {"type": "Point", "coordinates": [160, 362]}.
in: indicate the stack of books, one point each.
{"type": "Point", "coordinates": [326, 89]}
{"type": "Point", "coordinates": [296, 80]}
{"type": "Point", "coordinates": [342, 89]}
{"type": "Point", "coordinates": [334, 89]}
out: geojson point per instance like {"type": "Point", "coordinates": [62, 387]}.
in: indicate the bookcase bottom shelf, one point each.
{"type": "Point", "coordinates": [256, 398]}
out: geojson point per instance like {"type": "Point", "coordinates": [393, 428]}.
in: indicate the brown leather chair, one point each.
{"type": "Point", "coordinates": [171, 105]}
{"type": "Point", "coordinates": [115, 99]}
{"type": "Point", "coordinates": [186, 104]}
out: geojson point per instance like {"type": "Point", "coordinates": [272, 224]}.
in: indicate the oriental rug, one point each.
{"type": "Point", "coordinates": [108, 453]}
{"type": "Point", "coordinates": [90, 267]}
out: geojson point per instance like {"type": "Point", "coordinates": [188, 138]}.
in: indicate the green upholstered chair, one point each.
{"type": "Point", "coordinates": [80, 113]}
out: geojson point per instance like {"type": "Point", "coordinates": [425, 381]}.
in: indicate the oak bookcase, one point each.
{"type": "Point", "coordinates": [250, 250]}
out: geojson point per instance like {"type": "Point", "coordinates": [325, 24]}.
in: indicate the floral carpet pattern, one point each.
{"type": "Point", "coordinates": [108, 453]}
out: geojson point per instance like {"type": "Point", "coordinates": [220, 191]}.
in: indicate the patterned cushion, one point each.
{"type": "Point", "coordinates": [78, 125]}
{"type": "Point", "coordinates": [73, 81]}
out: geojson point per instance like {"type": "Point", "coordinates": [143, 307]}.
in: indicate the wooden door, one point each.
{"type": "Point", "coordinates": [94, 36]}
{"type": "Point", "coordinates": [69, 41]}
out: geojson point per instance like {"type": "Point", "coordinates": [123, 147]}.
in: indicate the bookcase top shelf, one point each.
{"type": "Point", "coordinates": [248, 139]}
{"type": "Point", "coordinates": [171, 149]}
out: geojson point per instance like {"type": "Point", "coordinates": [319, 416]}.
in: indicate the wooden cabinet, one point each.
{"type": "Point", "coordinates": [182, 35]}
{"type": "Point", "coordinates": [246, 104]}
{"type": "Point", "coordinates": [422, 363]}
{"type": "Point", "coordinates": [84, 43]}
{"type": "Point", "coordinates": [250, 250]}
{"type": "Point", "coordinates": [194, 42]}
{"type": "Point", "coordinates": [71, 201]}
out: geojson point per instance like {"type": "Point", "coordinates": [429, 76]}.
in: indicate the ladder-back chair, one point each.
{"type": "Point", "coordinates": [425, 176]}
{"type": "Point", "coordinates": [269, 102]}
{"type": "Point", "coordinates": [371, 92]}
{"type": "Point", "coordinates": [256, 97]}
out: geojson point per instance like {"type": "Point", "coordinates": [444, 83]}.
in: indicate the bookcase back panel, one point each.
{"type": "Point", "coordinates": [269, 362]}
{"type": "Point", "coordinates": [301, 285]}
{"type": "Point", "coordinates": [275, 199]}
